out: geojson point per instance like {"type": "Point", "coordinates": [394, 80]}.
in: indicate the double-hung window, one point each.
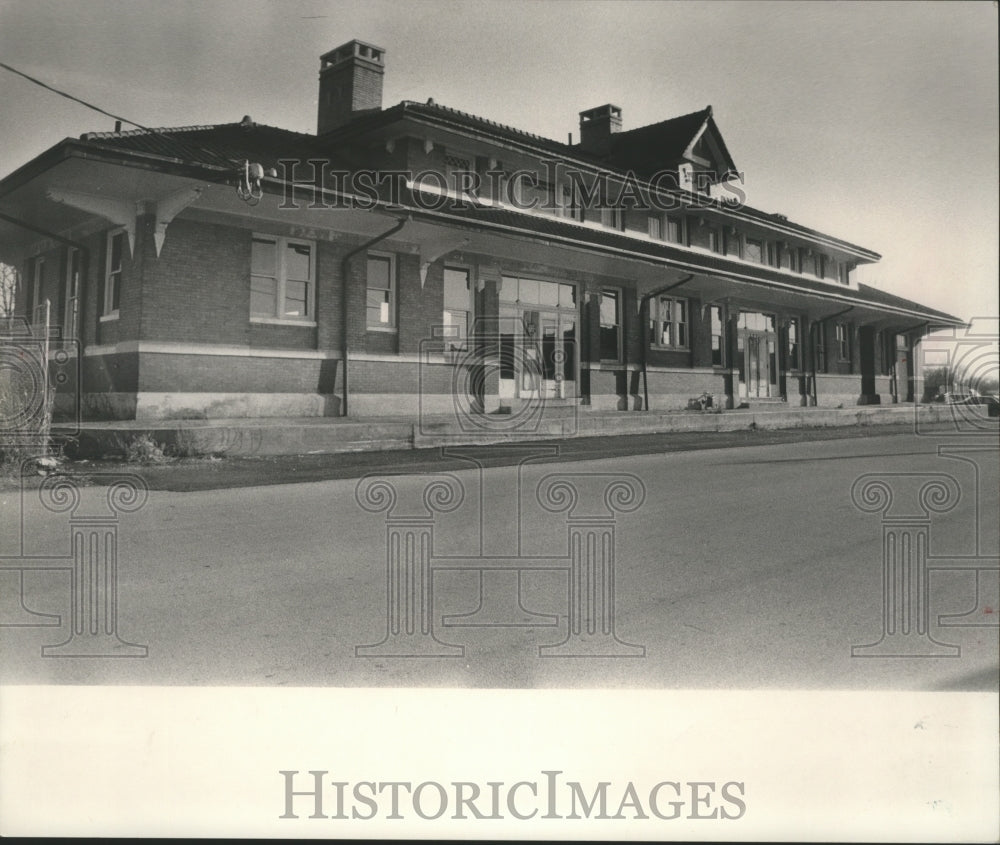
{"type": "Point", "coordinates": [611, 313]}
{"type": "Point", "coordinates": [113, 274]}
{"type": "Point", "coordinates": [718, 336]}
{"type": "Point", "coordinates": [457, 307]}
{"type": "Point", "coordinates": [282, 279]}
{"type": "Point", "coordinates": [794, 345]}
{"type": "Point", "coordinates": [843, 347]}
{"type": "Point", "coordinates": [381, 295]}
{"type": "Point", "coordinates": [669, 323]}
{"type": "Point", "coordinates": [819, 350]}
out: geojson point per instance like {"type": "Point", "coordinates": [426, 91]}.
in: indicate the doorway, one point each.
{"type": "Point", "coordinates": [756, 355]}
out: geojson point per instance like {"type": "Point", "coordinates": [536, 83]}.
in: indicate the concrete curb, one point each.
{"type": "Point", "coordinates": [318, 435]}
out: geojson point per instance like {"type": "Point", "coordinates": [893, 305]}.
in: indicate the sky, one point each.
{"type": "Point", "coordinates": [875, 122]}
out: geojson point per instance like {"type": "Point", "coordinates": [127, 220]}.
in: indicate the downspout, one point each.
{"type": "Point", "coordinates": [643, 306]}
{"type": "Point", "coordinates": [344, 286]}
{"type": "Point", "coordinates": [812, 329]}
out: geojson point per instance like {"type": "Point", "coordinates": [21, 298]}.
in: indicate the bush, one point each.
{"type": "Point", "coordinates": [139, 449]}
{"type": "Point", "coordinates": [25, 430]}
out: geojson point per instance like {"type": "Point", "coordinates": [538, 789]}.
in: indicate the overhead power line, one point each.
{"type": "Point", "coordinates": [174, 141]}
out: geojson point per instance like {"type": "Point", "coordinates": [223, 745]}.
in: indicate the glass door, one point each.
{"type": "Point", "coordinates": [756, 345]}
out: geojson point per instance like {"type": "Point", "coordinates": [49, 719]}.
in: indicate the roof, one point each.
{"type": "Point", "coordinates": [216, 145]}
{"type": "Point", "coordinates": [651, 148]}
{"type": "Point", "coordinates": [562, 228]}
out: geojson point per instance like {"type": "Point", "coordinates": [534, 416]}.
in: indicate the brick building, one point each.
{"type": "Point", "coordinates": [416, 256]}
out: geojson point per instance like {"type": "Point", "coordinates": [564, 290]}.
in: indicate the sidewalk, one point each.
{"type": "Point", "coordinates": [331, 435]}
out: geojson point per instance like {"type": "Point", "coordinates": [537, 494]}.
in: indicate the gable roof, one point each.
{"type": "Point", "coordinates": [652, 148]}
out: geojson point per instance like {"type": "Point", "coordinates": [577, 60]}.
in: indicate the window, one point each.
{"type": "Point", "coordinates": [794, 360]}
{"type": "Point", "coordinates": [732, 243]}
{"type": "Point", "coordinates": [457, 306]}
{"type": "Point", "coordinates": [669, 323]}
{"type": "Point", "coordinates": [788, 261]}
{"type": "Point", "coordinates": [570, 208]}
{"type": "Point", "coordinates": [845, 274]}
{"type": "Point", "coordinates": [654, 227]}
{"type": "Point", "coordinates": [613, 217]}
{"type": "Point", "coordinates": [455, 168]}
{"type": "Point", "coordinates": [71, 301]}
{"type": "Point", "coordinates": [282, 274]}
{"type": "Point", "coordinates": [902, 342]}
{"type": "Point", "coordinates": [818, 265]}
{"type": "Point", "coordinates": [113, 274]}
{"type": "Point", "coordinates": [610, 325]}
{"type": "Point", "coordinates": [674, 230]}
{"type": "Point", "coordinates": [754, 251]}
{"type": "Point", "coordinates": [713, 240]}
{"type": "Point", "coordinates": [381, 302]}
{"type": "Point", "coordinates": [718, 336]}
{"type": "Point", "coordinates": [819, 350]}
{"type": "Point", "coordinates": [843, 348]}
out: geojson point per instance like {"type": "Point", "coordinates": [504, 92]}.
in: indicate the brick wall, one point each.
{"type": "Point", "coordinates": [198, 290]}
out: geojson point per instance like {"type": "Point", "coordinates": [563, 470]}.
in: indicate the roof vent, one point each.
{"type": "Point", "coordinates": [247, 121]}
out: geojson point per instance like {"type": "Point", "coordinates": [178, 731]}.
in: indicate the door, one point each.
{"type": "Point", "coordinates": [758, 364]}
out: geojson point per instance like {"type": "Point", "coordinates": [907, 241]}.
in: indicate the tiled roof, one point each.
{"type": "Point", "coordinates": [219, 145]}
{"type": "Point", "coordinates": [232, 143]}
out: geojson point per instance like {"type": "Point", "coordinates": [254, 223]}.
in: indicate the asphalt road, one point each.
{"type": "Point", "coordinates": [744, 567]}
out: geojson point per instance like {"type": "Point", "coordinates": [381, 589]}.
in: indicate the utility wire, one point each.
{"type": "Point", "coordinates": [174, 141]}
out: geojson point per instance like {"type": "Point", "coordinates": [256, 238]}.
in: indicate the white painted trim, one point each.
{"type": "Point", "coordinates": [396, 358]}
{"type": "Point", "coordinates": [279, 321]}
{"type": "Point", "coordinates": [109, 318]}
{"type": "Point", "coordinates": [705, 371]}
{"type": "Point", "coordinates": [207, 349]}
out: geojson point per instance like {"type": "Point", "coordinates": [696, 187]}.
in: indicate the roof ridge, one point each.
{"type": "Point", "coordinates": [450, 109]}
{"type": "Point", "coordinates": [707, 111]}
{"type": "Point", "coordinates": [163, 130]}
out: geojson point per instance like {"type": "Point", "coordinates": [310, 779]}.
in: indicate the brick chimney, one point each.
{"type": "Point", "coordinates": [350, 84]}
{"type": "Point", "coordinates": [597, 125]}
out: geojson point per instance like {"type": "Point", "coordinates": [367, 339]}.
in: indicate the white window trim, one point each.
{"type": "Point", "coordinates": [655, 315]}
{"type": "Point", "coordinates": [794, 366]}
{"type": "Point", "coordinates": [280, 245]}
{"type": "Point", "coordinates": [843, 346]}
{"type": "Point", "coordinates": [393, 326]}
{"type": "Point", "coordinates": [470, 302]}
{"type": "Point", "coordinates": [723, 336]}
{"type": "Point", "coordinates": [621, 314]}
{"type": "Point", "coordinates": [112, 313]}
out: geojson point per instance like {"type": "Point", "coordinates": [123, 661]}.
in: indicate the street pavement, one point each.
{"type": "Point", "coordinates": [746, 568]}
